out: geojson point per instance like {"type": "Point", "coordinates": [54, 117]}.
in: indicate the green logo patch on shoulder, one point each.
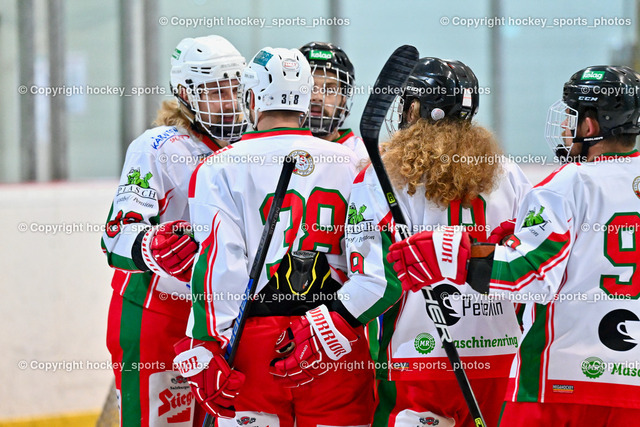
{"type": "Point", "coordinates": [592, 75]}
{"type": "Point", "coordinates": [534, 218]}
{"type": "Point", "coordinates": [323, 55]}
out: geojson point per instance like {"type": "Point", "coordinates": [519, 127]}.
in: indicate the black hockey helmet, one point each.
{"type": "Point", "coordinates": [612, 93]}
{"type": "Point", "coordinates": [328, 55]}
{"type": "Point", "coordinates": [445, 88]}
{"type": "Point", "coordinates": [330, 61]}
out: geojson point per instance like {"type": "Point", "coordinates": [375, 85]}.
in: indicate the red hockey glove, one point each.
{"type": "Point", "coordinates": [309, 344]}
{"type": "Point", "coordinates": [169, 250]}
{"type": "Point", "coordinates": [213, 382]}
{"type": "Point", "coordinates": [431, 256]}
{"type": "Point", "coordinates": [501, 232]}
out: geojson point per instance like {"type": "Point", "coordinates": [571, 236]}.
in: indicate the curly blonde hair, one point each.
{"type": "Point", "coordinates": [437, 155]}
{"type": "Point", "coordinates": [171, 114]}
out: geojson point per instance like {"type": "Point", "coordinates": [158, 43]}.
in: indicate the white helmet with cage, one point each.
{"type": "Point", "coordinates": [279, 79]}
{"type": "Point", "coordinates": [209, 68]}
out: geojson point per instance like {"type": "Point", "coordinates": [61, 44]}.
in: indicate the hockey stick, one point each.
{"type": "Point", "coordinates": [257, 266]}
{"type": "Point", "coordinates": [391, 81]}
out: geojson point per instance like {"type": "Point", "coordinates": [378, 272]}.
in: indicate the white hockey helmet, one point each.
{"type": "Point", "coordinates": [280, 79]}
{"type": "Point", "coordinates": [209, 69]}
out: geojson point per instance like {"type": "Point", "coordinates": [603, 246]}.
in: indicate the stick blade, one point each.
{"type": "Point", "coordinates": [390, 82]}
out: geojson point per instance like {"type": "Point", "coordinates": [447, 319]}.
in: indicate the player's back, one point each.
{"type": "Point", "coordinates": [581, 241]}
{"type": "Point", "coordinates": [231, 193]}
{"type": "Point", "coordinates": [316, 202]}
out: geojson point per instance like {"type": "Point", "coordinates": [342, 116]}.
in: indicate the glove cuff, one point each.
{"type": "Point", "coordinates": [335, 344]}
{"type": "Point", "coordinates": [447, 245]}
{"type": "Point", "coordinates": [147, 257]}
{"type": "Point", "coordinates": [193, 356]}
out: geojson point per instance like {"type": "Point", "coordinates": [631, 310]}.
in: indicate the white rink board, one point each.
{"type": "Point", "coordinates": [55, 296]}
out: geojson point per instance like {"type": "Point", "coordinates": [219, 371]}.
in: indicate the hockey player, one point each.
{"type": "Point", "coordinates": [230, 195]}
{"type": "Point", "coordinates": [332, 95]}
{"type": "Point", "coordinates": [574, 257]}
{"type": "Point", "coordinates": [446, 171]}
{"type": "Point", "coordinates": [147, 238]}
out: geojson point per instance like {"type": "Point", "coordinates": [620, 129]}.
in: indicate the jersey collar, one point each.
{"type": "Point", "coordinates": [344, 135]}
{"type": "Point", "coordinates": [275, 132]}
{"type": "Point", "coordinates": [611, 156]}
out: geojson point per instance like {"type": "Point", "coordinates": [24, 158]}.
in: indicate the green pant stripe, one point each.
{"type": "Point", "coordinates": [387, 401]}
{"type": "Point", "coordinates": [130, 327]}
{"type": "Point", "coordinates": [531, 350]}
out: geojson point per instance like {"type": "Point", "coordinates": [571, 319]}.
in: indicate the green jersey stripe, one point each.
{"type": "Point", "coordinates": [515, 272]}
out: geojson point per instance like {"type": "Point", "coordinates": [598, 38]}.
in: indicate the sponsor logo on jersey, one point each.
{"type": "Point", "coordinates": [322, 55]}
{"type": "Point", "coordinates": [455, 305]}
{"type": "Point", "coordinates": [138, 185]}
{"type": "Point", "coordinates": [636, 184]}
{"type": "Point", "coordinates": [482, 342]}
{"type": "Point", "coordinates": [593, 367]}
{"type": "Point", "coordinates": [355, 215]}
{"type": "Point", "coordinates": [424, 343]}
{"type": "Point", "coordinates": [562, 388]}
{"type": "Point", "coordinates": [243, 421]}
{"type": "Point", "coordinates": [619, 330]}
{"type": "Point", "coordinates": [429, 421]}
{"type": "Point", "coordinates": [592, 75]}
{"type": "Point", "coordinates": [146, 193]}
{"type": "Point", "coordinates": [179, 380]}
{"type": "Point", "coordinates": [134, 178]}
{"type": "Point", "coordinates": [304, 162]}
{"type": "Point", "coordinates": [534, 218]}
{"type": "Point", "coordinates": [170, 400]}
{"type": "Point", "coordinates": [159, 140]}
{"type": "Point", "coordinates": [625, 370]}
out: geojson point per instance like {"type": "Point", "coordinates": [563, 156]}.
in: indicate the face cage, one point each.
{"type": "Point", "coordinates": [328, 121]}
{"type": "Point", "coordinates": [561, 127]}
{"type": "Point", "coordinates": [393, 119]}
{"type": "Point", "coordinates": [220, 114]}
{"type": "Point", "coordinates": [244, 101]}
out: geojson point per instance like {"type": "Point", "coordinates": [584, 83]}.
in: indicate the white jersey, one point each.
{"type": "Point", "coordinates": [576, 252]}
{"type": "Point", "coordinates": [153, 189]}
{"type": "Point", "coordinates": [230, 196]}
{"type": "Point", "coordinates": [408, 347]}
{"type": "Point", "coordinates": [353, 142]}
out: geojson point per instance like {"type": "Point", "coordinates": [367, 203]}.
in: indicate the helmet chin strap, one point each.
{"type": "Point", "coordinates": [593, 140]}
